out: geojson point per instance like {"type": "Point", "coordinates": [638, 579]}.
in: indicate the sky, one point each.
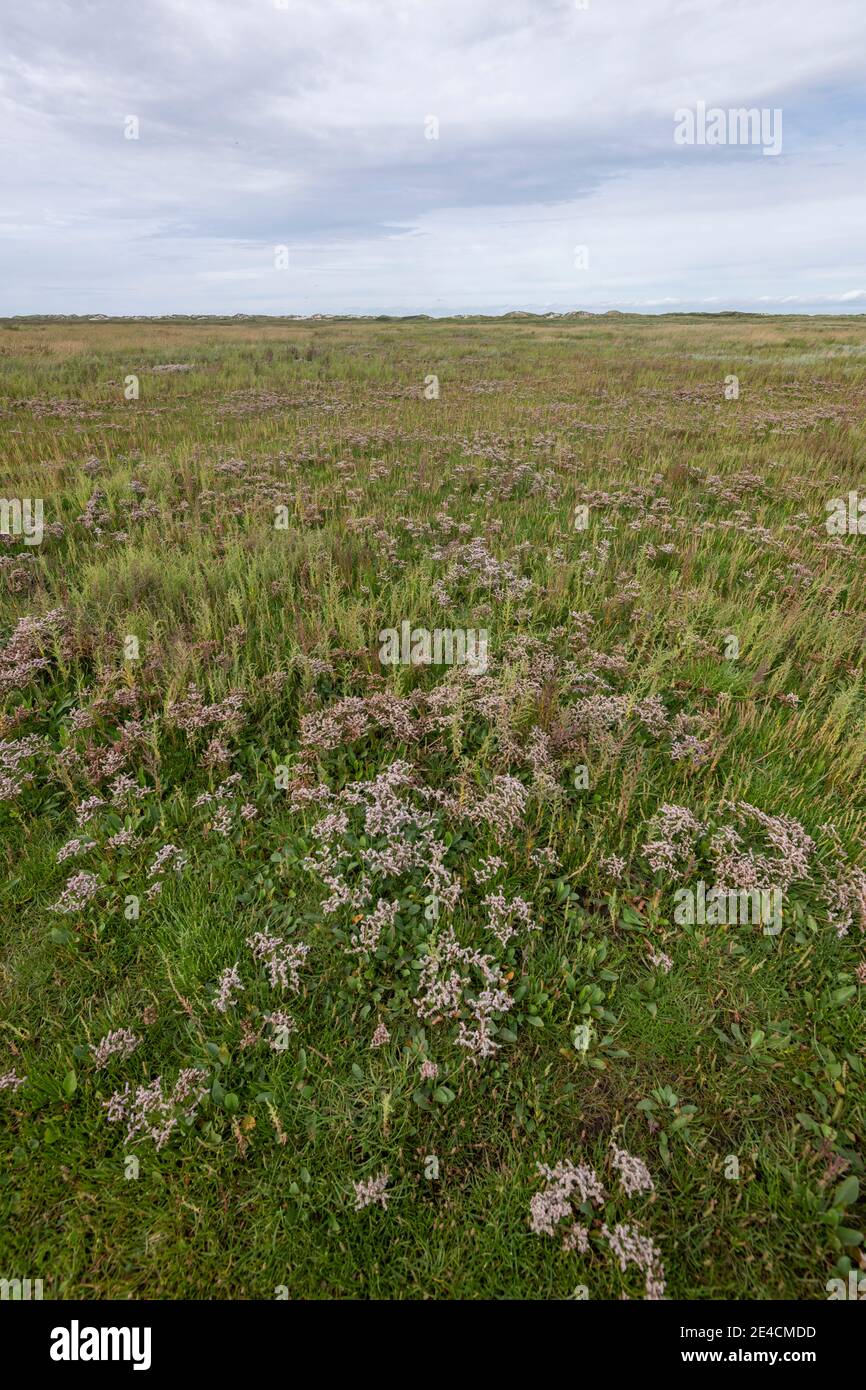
{"type": "Point", "coordinates": [430, 156]}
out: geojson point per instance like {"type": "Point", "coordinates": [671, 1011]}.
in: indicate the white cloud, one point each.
{"type": "Point", "coordinates": [305, 127]}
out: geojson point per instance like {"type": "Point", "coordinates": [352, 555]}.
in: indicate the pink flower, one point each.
{"type": "Point", "coordinates": [77, 894]}
{"type": "Point", "coordinates": [634, 1175]}
{"type": "Point", "coordinates": [121, 1043]}
{"type": "Point", "coordinates": [229, 985]}
{"type": "Point", "coordinates": [371, 1190]}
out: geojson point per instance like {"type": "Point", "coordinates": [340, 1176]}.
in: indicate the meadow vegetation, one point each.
{"type": "Point", "coordinates": [324, 978]}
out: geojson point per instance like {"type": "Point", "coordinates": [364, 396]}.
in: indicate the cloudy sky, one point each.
{"type": "Point", "coordinates": [308, 125]}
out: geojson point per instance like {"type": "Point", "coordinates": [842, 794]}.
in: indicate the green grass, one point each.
{"type": "Point", "coordinates": [762, 1036]}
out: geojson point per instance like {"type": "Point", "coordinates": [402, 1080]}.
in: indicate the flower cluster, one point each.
{"type": "Point", "coordinates": [445, 991]}
{"type": "Point", "coordinates": [73, 848]}
{"type": "Point", "coordinates": [675, 831]}
{"type": "Point", "coordinates": [570, 1183]}
{"type": "Point", "coordinates": [634, 1175]}
{"type": "Point", "coordinates": [191, 714]}
{"type": "Point", "coordinates": [372, 1190]}
{"type": "Point", "coordinates": [630, 1246]}
{"type": "Point", "coordinates": [13, 752]}
{"type": "Point", "coordinates": [228, 987]}
{"type": "Point", "coordinates": [79, 891]}
{"type": "Point", "coordinates": [562, 1184]}
{"type": "Point", "coordinates": [504, 913]}
{"type": "Point", "coordinates": [32, 647]}
{"type": "Point", "coordinates": [281, 959]}
{"type": "Point", "coordinates": [150, 1113]}
{"type": "Point", "coordinates": [121, 1043]}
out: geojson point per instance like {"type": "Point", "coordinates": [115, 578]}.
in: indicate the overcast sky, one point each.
{"type": "Point", "coordinates": [304, 124]}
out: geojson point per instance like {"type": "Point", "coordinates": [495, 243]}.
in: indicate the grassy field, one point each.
{"type": "Point", "coordinates": [310, 961]}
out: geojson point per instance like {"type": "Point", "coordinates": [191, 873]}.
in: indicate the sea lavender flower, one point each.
{"type": "Point", "coordinates": [229, 985]}
{"type": "Point", "coordinates": [168, 857]}
{"type": "Point", "coordinates": [282, 959]}
{"type": "Point", "coordinates": [85, 812]}
{"type": "Point", "coordinates": [150, 1113]}
{"type": "Point", "coordinates": [634, 1176]}
{"type": "Point", "coordinates": [545, 858]}
{"type": "Point", "coordinates": [121, 1043]}
{"type": "Point", "coordinates": [562, 1183]}
{"type": "Point", "coordinates": [74, 847]}
{"type": "Point", "coordinates": [79, 891]}
{"type": "Point", "coordinates": [123, 839]}
{"type": "Point", "coordinates": [124, 787]}
{"type": "Point", "coordinates": [488, 868]}
{"type": "Point", "coordinates": [503, 915]}
{"type": "Point", "coordinates": [190, 714]}
{"type": "Point", "coordinates": [14, 752]}
{"type": "Point", "coordinates": [366, 940]}
{"type": "Point", "coordinates": [630, 1246]}
{"type": "Point", "coordinates": [689, 746]}
{"type": "Point", "coordinates": [380, 1036]}
{"type": "Point", "coordinates": [282, 1025]}
{"type": "Point", "coordinates": [9, 1081]}
{"type": "Point", "coordinates": [662, 961]}
{"type": "Point", "coordinates": [215, 755]}
{"type": "Point", "coordinates": [371, 1190]}
{"type": "Point", "coordinates": [676, 830]}
{"type": "Point", "coordinates": [577, 1238]}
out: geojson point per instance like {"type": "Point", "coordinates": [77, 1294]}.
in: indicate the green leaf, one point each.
{"type": "Point", "coordinates": [231, 1102]}
{"type": "Point", "coordinates": [849, 1237]}
{"type": "Point", "coordinates": [847, 1192]}
{"type": "Point", "coordinates": [70, 1084]}
{"type": "Point", "coordinates": [444, 1095]}
{"type": "Point", "coordinates": [62, 936]}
